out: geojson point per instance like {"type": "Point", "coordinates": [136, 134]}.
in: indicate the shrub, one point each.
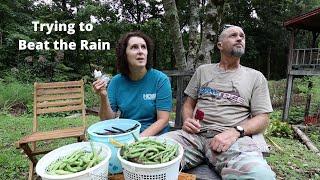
{"type": "Point", "coordinates": [12, 93]}
{"type": "Point", "coordinates": [278, 128]}
{"type": "Point", "coordinates": [91, 99]}
{"type": "Point", "coordinates": [296, 114]}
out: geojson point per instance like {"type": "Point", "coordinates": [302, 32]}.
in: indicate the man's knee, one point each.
{"type": "Point", "coordinates": [253, 170]}
{"type": "Point", "coordinates": [171, 135]}
{"type": "Point", "coordinates": [262, 172]}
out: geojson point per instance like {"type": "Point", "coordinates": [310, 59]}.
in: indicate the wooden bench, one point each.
{"type": "Point", "coordinates": [179, 79]}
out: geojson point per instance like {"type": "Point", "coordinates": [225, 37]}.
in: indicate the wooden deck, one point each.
{"type": "Point", "coordinates": [182, 176]}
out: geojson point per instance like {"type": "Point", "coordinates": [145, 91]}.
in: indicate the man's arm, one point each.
{"type": "Point", "coordinates": [221, 142]}
{"type": "Point", "coordinates": [255, 125]}
{"type": "Point", "coordinates": [190, 124]}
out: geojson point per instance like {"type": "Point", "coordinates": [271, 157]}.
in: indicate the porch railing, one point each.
{"type": "Point", "coordinates": [306, 58]}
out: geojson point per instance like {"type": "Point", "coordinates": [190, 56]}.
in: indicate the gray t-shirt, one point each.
{"type": "Point", "coordinates": [228, 98]}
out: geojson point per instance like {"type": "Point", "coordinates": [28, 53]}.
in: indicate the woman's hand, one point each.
{"type": "Point", "coordinates": [99, 87]}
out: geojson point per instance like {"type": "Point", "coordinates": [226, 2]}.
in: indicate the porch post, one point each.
{"type": "Point", "coordinates": [287, 99]}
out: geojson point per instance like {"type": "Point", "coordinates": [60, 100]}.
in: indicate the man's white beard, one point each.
{"type": "Point", "coordinates": [237, 52]}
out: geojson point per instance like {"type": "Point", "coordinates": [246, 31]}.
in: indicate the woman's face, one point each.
{"type": "Point", "coordinates": [137, 52]}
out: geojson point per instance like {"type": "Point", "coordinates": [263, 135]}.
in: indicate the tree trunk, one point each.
{"type": "Point", "coordinates": [212, 22]}
{"type": "Point", "coordinates": [138, 12]}
{"type": "Point", "coordinates": [173, 22]}
{"type": "Point", "coordinates": [0, 39]}
{"type": "Point", "coordinates": [306, 140]}
{"type": "Point", "coordinates": [64, 5]}
{"type": "Point", "coordinates": [269, 63]}
{"type": "Point", "coordinates": [193, 34]}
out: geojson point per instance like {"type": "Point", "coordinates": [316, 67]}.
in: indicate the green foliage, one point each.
{"type": "Point", "coordinates": [314, 90]}
{"type": "Point", "coordinates": [275, 115]}
{"type": "Point", "coordinates": [296, 114]}
{"type": "Point", "coordinates": [313, 132]}
{"type": "Point", "coordinates": [278, 128]}
{"type": "Point", "coordinates": [12, 93]}
{"type": "Point", "coordinates": [314, 136]}
{"type": "Point", "coordinates": [91, 99]}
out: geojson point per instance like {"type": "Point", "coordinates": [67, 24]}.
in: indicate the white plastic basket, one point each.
{"type": "Point", "coordinates": [97, 172]}
{"type": "Point", "coordinates": [163, 171]}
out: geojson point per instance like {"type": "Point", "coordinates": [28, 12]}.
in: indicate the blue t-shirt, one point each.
{"type": "Point", "coordinates": [140, 100]}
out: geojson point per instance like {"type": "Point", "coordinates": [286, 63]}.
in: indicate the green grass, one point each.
{"type": "Point", "coordinates": [314, 135]}
{"type": "Point", "coordinates": [13, 163]}
{"type": "Point", "coordinates": [295, 162]}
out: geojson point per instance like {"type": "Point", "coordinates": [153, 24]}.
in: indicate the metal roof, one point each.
{"type": "Point", "coordinates": [308, 21]}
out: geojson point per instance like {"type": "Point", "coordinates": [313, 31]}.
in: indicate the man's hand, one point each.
{"type": "Point", "coordinates": [191, 125]}
{"type": "Point", "coordinates": [99, 87]}
{"type": "Point", "coordinates": [222, 141]}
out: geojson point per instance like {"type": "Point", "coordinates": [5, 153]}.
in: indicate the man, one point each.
{"type": "Point", "coordinates": [234, 101]}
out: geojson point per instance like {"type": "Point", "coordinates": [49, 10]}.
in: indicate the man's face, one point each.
{"type": "Point", "coordinates": [232, 42]}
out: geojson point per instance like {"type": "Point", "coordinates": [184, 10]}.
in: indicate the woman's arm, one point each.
{"type": "Point", "coordinates": [158, 126]}
{"type": "Point", "coordinates": [105, 111]}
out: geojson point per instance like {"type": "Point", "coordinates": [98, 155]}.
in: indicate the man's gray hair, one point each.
{"type": "Point", "coordinates": [223, 32]}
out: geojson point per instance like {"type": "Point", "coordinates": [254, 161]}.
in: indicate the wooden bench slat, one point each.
{"type": "Point", "coordinates": [61, 133]}
{"type": "Point", "coordinates": [59, 109]}
{"type": "Point", "coordinates": [58, 84]}
{"type": "Point", "coordinates": [58, 91]}
{"type": "Point", "coordinates": [182, 176]}
{"type": "Point", "coordinates": [58, 97]}
{"type": "Point", "coordinates": [59, 103]}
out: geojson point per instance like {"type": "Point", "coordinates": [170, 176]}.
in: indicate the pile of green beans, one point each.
{"type": "Point", "coordinates": [149, 151]}
{"type": "Point", "coordinates": [77, 161]}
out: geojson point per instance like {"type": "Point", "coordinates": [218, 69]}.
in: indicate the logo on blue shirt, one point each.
{"type": "Point", "coordinates": [149, 96]}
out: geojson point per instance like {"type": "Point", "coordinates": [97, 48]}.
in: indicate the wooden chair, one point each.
{"type": "Point", "coordinates": [52, 98]}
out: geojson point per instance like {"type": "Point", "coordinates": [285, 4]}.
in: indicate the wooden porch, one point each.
{"type": "Point", "coordinates": [302, 61]}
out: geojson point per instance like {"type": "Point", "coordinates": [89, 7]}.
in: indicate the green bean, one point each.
{"type": "Point", "coordinates": [149, 154]}
{"type": "Point", "coordinates": [133, 155]}
{"type": "Point", "coordinates": [149, 151]}
{"type": "Point", "coordinates": [62, 172]}
{"type": "Point", "coordinates": [77, 161]}
{"type": "Point", "coordinates": [174, 149]}
{"type": "Point", "coordinates": [71, 169]}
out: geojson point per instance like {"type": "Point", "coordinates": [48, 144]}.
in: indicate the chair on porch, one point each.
{"type": "Point", "coordinates": [53, 98]}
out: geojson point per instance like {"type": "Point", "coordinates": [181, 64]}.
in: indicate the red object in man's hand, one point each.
{"type": "Point", "coordinates": [199, 115]}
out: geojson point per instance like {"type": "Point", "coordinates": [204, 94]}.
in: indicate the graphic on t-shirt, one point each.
{"type": "Point", "coordinates": [149, 96]}
{"type": "Point", "coordinates": [232, 96]}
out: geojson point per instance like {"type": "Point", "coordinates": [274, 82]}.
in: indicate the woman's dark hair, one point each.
{"type": "Point", "coordinates": [122, 62]}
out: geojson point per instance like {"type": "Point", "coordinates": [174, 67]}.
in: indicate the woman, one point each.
{"type": "Point", "coordinates": [138, 92]}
